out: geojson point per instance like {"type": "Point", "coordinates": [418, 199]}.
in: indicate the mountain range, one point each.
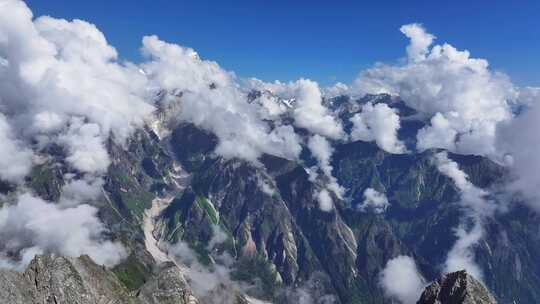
{"type": "Point", "coordinates": [257, 229]}
{"type": "Point", "coordinates": [172, 180]}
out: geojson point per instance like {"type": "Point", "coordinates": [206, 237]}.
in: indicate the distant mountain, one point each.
{"type": "Point", "coordinates": [258, 226]}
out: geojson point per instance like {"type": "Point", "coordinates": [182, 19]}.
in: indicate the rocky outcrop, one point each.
{"type": "Point", "coordinates": [57, 279]}
{"type": "Point", "coordinates": [456, 288]}
{"type": "Point", "coordinates": [52, 279]}
{"type": "Point", "coordinates": [14, 288]}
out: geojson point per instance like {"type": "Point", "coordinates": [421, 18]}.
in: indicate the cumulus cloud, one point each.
{"type": "Point", "coordinates": [378, 123]}
{"type": "Point", "coordinates": [529, 96]}
{"type": "Point", "coordinates": [271, 106]}
{"type": "Point", "coordinates": [461, 256]}
{"type": "Point", "coordinates": [440, 134]}
{"type": "Point", "coordinates": [311, 114]}
{"type": "Point", "coordinates": [76, 231]}
{"type": "Point", "coordinates": [519, 140]}
{"type": "Point", "coordinates": [401, 280]}
{"type": "Point", "coordinates": [15, 158]}
{"type": "Point", "coordinates": [326, 203]}
{"type": "Point", "coordinates": [322, 150]}
{"type": "Point", "coordinates": [265, 186]}
{"type": "Point", "coordinates": [472, 197]}
{"type": "Point", "coordinates": [77, 191]}
{"type": "Point", "coordinates": [86, 150]}
{"type": "Point", "coordinates": [439, 79]}
{"type": "Point", "coordinates": [420, 41]}
{"type": "Point", "coordinates": [477, 207]}
{"type": "Point", "coordinates": [61, 83]}
{"type": "Point", "coordinates": [308, 110]}
{"type": "Point", "coordinates": [212, 100]}
{"type": "Point", "coordinates": [335, 90]}
{"type": "Point", "coordinates": [374, 201]}
{"type": "Point", "coordinates": [53, 70]}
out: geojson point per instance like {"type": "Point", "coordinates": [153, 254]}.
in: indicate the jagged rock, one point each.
{"type": "Point", "coordinates": [58, 279]}
{"type": "Point", "coordinates": [14, 288]}
{"type": "Point", "coordinates": [456, 288]}
{"type": "Point", "coordinates": [65, 280]}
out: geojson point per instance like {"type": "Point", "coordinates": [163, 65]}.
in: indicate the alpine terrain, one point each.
{"type": "Point", "coordinates": [174, 181]}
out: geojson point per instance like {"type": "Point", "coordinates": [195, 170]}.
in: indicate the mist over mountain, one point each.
{"type": "Point", "coordinates": [172, 180]}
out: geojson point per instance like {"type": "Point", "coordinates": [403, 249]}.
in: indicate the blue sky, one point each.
{"type": "Point", "coordinates": [327, 41]}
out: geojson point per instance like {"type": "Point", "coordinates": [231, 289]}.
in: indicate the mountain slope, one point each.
{"type": "Point", "coordinates": [277, 237]}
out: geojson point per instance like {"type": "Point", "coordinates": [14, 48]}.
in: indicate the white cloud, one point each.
{"type": "Point", "coordinates": [56, 69]}
{"type": "Point", "coordinates": [77, 191]}
{"type": "Point", "coordinates": [420, 41]}
{"type": "Point", "coordinates": [172, 66]}
{"type": "Point", "coordinates": [15, 158]}
{"type": "Point", "coordinates": [374, 201]}
{"type": "Point", "coordinates": [311, 114]}
{"type": "Point", "coordinates": [472, 197]}
{"type": "Point", "coordinates": [441, 79]}
{"type": "Point", "coordinates": [335, 90]}
{"type": "Point", "coordinates": [529, 96]}
{"type": "Point", "coordinates": [46, 122]}
{"type": "Point", "coordinates": [461, 256]}
{"type": "Point", "coordinates": [308, 110]}
{"type": "Point", "coordinates": [265, 187]}
{"type": "Point", "coordinates": [271, 106]}
{"type": "Point", "coordinates": [86, 150]}
{"type": "Point", "coordinates": [520, 141]}
{"type": "Point", "coordinates": [61, 82]}
{"type": "Point", "coordinates": [325, 201]}
{"type": "Point", "coordinates": [477, 207]}
{"type": "Point", "coordinates": [212, 100]}
{"type": "Point", "coordinates": [32, 225]}
{"type": "Point", "coordinates": [440, 134]}
{"type": "Point", "coordinates": [401, 280]}
{"type": "Point", "coordinates": [378, 123]}
{"type": "Point", "coordinates": [322, 150]}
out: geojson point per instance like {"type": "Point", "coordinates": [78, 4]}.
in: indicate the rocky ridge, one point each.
{"type": "Point", "coordinates": [59, 279]}
{"type": "Point", "coordinates": [456, 288]}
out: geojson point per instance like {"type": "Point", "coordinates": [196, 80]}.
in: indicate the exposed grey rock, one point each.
{"type": "Point", "coordinates": [14, 288]}
{"type": "Point", "coordinates": [456, 288]}
{"type": "Point", "coordinates": [58, 279]}
{"type": "Point", "coordinates": [65, 280]}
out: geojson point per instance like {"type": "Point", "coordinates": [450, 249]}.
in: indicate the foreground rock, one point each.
{"type": "Point", "coordinates": [58, 279]}
{"type": "Point", "coordinates": [456, 288]}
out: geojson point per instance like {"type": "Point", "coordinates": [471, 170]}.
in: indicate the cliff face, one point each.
{"type": "Point", "coordinates": [456, 288]}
